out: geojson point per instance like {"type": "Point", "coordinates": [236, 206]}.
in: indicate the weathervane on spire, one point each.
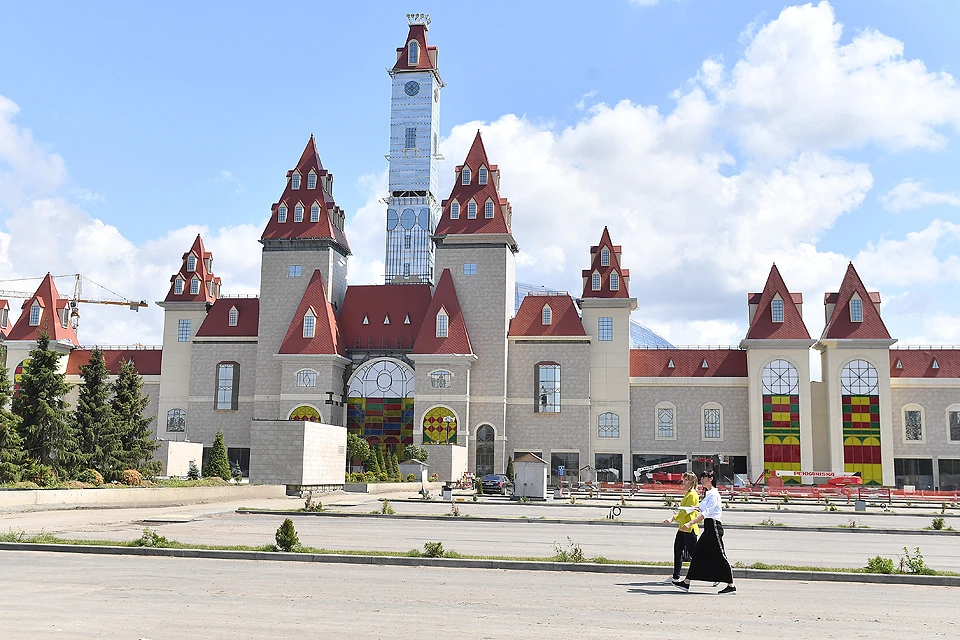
{"type": "Point", "coordinates": [418, 18]}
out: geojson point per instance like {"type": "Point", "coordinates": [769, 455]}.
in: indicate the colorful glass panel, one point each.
{"type": "Point", "coordinates": [306, 413]}
{"type": "Point", "coordinates": [381, 420]}
{"type": "Point", "coordinates": [861, 437]}
{"type": "Point", "coordinates": [18, 373]}
{"type": "Point", "coordinates": [439, 426]}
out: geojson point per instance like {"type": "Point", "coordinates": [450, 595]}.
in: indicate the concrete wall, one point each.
{"type": "Point", "coordinates": [44, 499]}
{"type": "Point", "coordinates": [203, 419]}
{"type": "Point", "coordinates": [456, 397]}
{"type": "Point", "coordinates": [297, 453]}
{"type": "Point", "coordinates": [174, 390]}
{"type": "Point", "coordinates": [329, 369]}
{"type": "Point", "coordinates": [934, 401]}
{"type": "Point", "coordinates": [448, 461]}
{"type": "Point", "coordinates": [175, 457]}
{"type": "Point", "coordinates": [820, 426]}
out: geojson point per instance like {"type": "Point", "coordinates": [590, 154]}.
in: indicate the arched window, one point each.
{"type": "Point", "coordinates": [306, 413]}
{"type": "Point", "coordinates": [194, 286]}
{"type": "Point", "coordinates": [485, 457]}
{"type": "Point", "coordinates": [548, 387]}
{"type": "Point", "coordinates": [309, 324]}
{"type": "Point", "coordinates": [298, 213]}
{"type": "Point", "coordinates": [595, 282]}
{"type": "Point", "coordinates": [953, 423]}
{"type": "Point", "coordinates": [913, 423]}
{"type": "Point", "coordinates": [191, 262]}
{"type": "Point", "coordinates": [614, 281]}
{"type": "Point", "coordinates": [315, 213]}
{"type": "Point", "coordinates": [295, 180]}
{"type": "Point", "coordinates": [454, 210]}
{"type": "Point", "coordinates": [608, 425]}
{"type": "Point", "coordinates": [471, 210]}
{"type": "Point", "coordinates": [605, 257]}
{"type": "Point", "coordinates": [443, 324]}
{"type": "Point", "coordinates": [311, 180]}
{"type": "Point", "coordinates": [440, 379]}
{"type": "Point", "coordinates": [176, 421]}
{"type": "Point", "coordinates": [233, 317]}
{"type": "Point", "coordinates": [306, 378]}
{"type": "Point", "coordinates": [413, 53]}
{"type": "Point", "coordinates": [711, 415]}
{"type": "Point", "coordinates": [482, 175]}
{"type": "Point", "coordinates": [178, 286]}
{"type": "Point", "coordinates": [35, 311]}
{"type": "Point", "coordinates": [776, 310]}
{"type": "Point", "coordinates": [488, 209]}
{"type": "Point", "coordinates": [546, 315]}
{"type": "Point", "coordinates": [666, 413]}
{"type": "Point", "coordinates": [465, 175]}
{"type": "Point", "coordinates": [856, 309]}
{"type": "Point", "coordinates": [282, 213]}
{"type": "Point", "coordinates": [228, 386]}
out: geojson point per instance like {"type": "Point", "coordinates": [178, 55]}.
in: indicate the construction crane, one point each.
{"type": "Point", "coordinates": [78, 298]}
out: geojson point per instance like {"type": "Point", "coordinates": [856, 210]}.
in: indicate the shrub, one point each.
{"type": "Point", "coordinates": [668, 501]}
{"type": "Point", "coordinates": [218, 465]}
{"type": "Point", "coordinates": [151, 538]}
{"type": "Point", "coordinates": [454, 510]}
{"type": "Point", "coordinates": [25, 484]}
{"type": "Point", "coordinates": [310, 506]}
{"type": "Point", "coordinates": [9, 473]}
{"type": "Point", "coordinates": [287, 539]}
{"type": "Point", "coordinates": [369, 476]}
{"type": "Point", "coordinates": [937, 524]}
{"type": "Point", "coordinates": [572, 552]}
{"type": "Point", "coordinates": [478, 485]}
{"type": "Point", "coordinates": [411, 477]}
{"type": "Point", "coordinates": [433, 550]}
{"type": "Point", "coordinates": [879, 564]}
{"type": "Point", "coordinates": [42, 475]}
{"type": "Point", "coordinates": [131, 477]}
{"type": "Point", "coordinates": [434, 478]}
{"type": "Point", "coordinates": [90, 476]}
{"type": "Point", "coordinates": [193, 473]}
{"type": "Point", "coordinates": [72, 484]}
{"type": "Point", "coordinates": [914, 563]}
{"type": "Point", "coordinates": [386, 509]}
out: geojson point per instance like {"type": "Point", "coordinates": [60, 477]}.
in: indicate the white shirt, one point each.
{"type": "Point", "coordinates": [711, 505]}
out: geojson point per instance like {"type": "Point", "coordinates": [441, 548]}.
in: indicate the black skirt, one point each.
{"type": "Point", "coordinates": [709, 562]}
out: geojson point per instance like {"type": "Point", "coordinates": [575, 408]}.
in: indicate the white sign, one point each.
{"type": "Point", "coordinates": [814, 474]}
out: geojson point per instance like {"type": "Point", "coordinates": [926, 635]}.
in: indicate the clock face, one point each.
{"type": "Point", "coordinates": [412, 88]}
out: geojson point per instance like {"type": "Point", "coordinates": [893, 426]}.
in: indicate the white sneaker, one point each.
{"type": "Point", "coordinates": [668, 580]}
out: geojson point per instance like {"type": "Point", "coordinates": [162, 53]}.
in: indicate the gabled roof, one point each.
{"type": "Point", "coordinates": [428, 54]}
{"type": "Point", "coordinates": [463, 193]}
{"type": "Point", "coordinates": [331, 220]}
{"type": "Point", "coordinates": [205, 276]}
{"type": "Point", "coordinates": [326, 335]}
{"type": "Point", "coordinates": [457, 340]}
{"type": "Point", "coordinates": [763, 327]}
{"type": "Point", "coordinates": [375, 303]}
{"type": "Point", "coordinates": [918, 363]}
{"type": "Point", "coordinates": [52, 310]}
{"type": "Point", "coordinates": [840, 326]}
{"type": "Point", "coordinates": [596, 267]}
{"type": "Point", "coordinates": [565, 321]}
{"type": "Point", "coordinates": [688, 363]}
{"type": "Point", "coordinates": [146, 361]}
{"type": "Point", "coordinates": [217, 322]}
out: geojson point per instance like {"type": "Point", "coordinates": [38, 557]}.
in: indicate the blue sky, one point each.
{"type": "Point", "coordinates": [713, 138]}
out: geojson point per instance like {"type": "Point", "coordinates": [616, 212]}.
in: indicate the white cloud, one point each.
{"type": "Point", "coordinates": [912, 261]}
{"type": "Point", "coordinates": [26, 169]}
{"type": "Point", "coordinates": [229, 178]}
{"type": "Point", "coordinates": [910, 194]}
{"type": "Point", "coordinates": [86, 195]}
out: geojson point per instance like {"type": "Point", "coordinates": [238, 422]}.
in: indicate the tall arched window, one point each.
{"type": "Point", "coordinates": [712, 415]}
{"type": "Point", "coordinates": [443, 324]}
{"type": "Point", "coordinates": [413, 53]}
{"type": "Point", "coordinates": [485, 439]}
{"type": "Point", "coordinates": [315, 212]}
{"type": "Point", "coordinates": [608, 425]}
{"type": "Point", "coordinates": [194, 286]}
{"type": "Point", "coordinates": [488, 209]}
{"type": "Point", "coordinates": [546, 315]}
{"type": "Point", "coordinates": [548, 387]}
{"type": "Point", "coordinates": [233, 317]}
{"type": "Point", "coordinates": [465, 176]}
{"type": "Point", "coordinates": [595, 282]}
{"type": "Point", "coordinates": [35, 311]}
{"type": "Point", "coordinates": [454, 210]}
{"type": "Point", "coordinates": [309, 324]}
{"type": "Point", "coordinates": [176, 421]}
{"type": "Point", "coordinates": [605, 257]}
{"type": "Point", "coordinates": [228, 386]}
{"type": "Point", "coordinates": [178, 286]}
{"type": "Point", "coordinates": [191, 262]}
{"type": "Point", "coordinates": [666, 414]}
{"type": "Point", "coordinates": [471, 210]}
{"type": "Point", "coordinates": [482, 176]}
{"type": "Point", "coordinates": [614, 281]}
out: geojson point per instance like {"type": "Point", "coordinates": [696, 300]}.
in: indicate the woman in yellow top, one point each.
{"type": "Point", "coordinates": [686, 539]}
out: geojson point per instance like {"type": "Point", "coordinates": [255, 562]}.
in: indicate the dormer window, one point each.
{"type": "Point", "coordinates": [899, 364]}
{"type": "Point", "coordinates": [407, 319]}
{"type": "Point", "coordinates": [443, 324]}
{"type": "Point", "coordinates": [178, 286]}
{"type": "Point", "coordinates": [65, 320]}
{"type": "Point", "coordinates": [935, 365]}
{"type": "Point", "coordinates": [482, 175]}
{"type": "Point", "coordinates": [614, 281]}
{"type": "Point", "coordinates": [298, 213]}
{"type": "Point", "coordinates": [413, 53]}
{"type": "Point", "coordinates": [366, 320]}
{"type": "Point", "coordinates": [465, 176]}
{"type": "Point", "coordinates": [704, 365]}
{"type": "Point", "coordinates": [311, 180]}
{"type": "Point", "coordinates": [295, 181]}
{"type": "Point", "coordinates": [4, 317]}
{"type": "Point", "coordinates": [194, 286]}
{"type": "Point", "coordinates": [605, 257]}
{"type": "Point", "coordinates": [454, 210]}
{"type": "Point", "coordinates": [776, 310]}
{"type": "Point", "coordinates": [191, 262]}
{"type": "Point", "coordinates": [309, 324]}
{"type": "Point", "coordinates": [595, 282]}
{"type": "Point", "coordinates": [488, 209]}
{"type": "Point", "coordinates": [315, 213]}
{"type": "Point", "coordinates": [856, 309]}
{"type": "Point", "coordinates": [233, 316]}
{"type": "Point", "coordinates": [471, 210]}
{"type": "Point", "coordinates": [386, 319]}
{"type": "Point", "coordinates": [546, 316]}
{"type": "Point", "coordinates": [670, 364]}
{"type": "Point", "coordinates": [282, 213]}
{"type": "Point", "coordinates": [35, 311]}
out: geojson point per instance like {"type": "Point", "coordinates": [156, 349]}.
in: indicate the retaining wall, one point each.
{"type": "Point", "coordinates": [41, 499]}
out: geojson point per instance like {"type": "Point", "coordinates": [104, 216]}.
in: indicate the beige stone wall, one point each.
{"type": "Point", "coordinates": [174, 391]}
{"type": "Point", "coordinates": [820, 415]}
{"type": "Point", "coordinates": [456, 397]}
{"type": "Point", "coordinates": [175, 457]}
{"type": "Point", "coordinates": [329, 379]}
{"type": "Point", "coordinates": [297, 453]}
{"type": "Point", "coordinates": [934, 401]}
{"type": "Point", "coordinates": [449, 462]}
{"type": "Point", "coordinates": [202, 419]}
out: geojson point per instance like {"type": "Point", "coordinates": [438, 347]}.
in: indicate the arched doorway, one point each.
{"type": "Point", "coordinates": [485, 438]}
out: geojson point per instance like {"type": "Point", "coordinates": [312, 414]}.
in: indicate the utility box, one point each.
{"type": "Point", "coordinates": [530, 477]}
{"type": "Point", "coordinates": [860, 505]}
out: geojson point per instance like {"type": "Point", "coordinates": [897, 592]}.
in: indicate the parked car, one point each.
{"type": "Point", "coordinates": [496, 483]}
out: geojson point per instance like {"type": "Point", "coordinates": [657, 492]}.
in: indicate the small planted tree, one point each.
{"type": "Point", "coordinates": [98, 437]}
{"type": "Point", "coordinates": [357, 448]}
{"type": "Point", "coordinates": [128, 405]}
{"type": "Point", "coordinates": [287, 539]}
{"type": "Point", "coordinates": [371, 464]}
{"type": "Point", "coordinates": [510, 468]}
{"type": "Point", "coordinates": [218, 466]}
{"type": "Point", "coordinates": [413, 452]}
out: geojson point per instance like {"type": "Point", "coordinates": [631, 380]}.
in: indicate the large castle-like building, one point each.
{"type": "Point", "coordinates": [441, 355]}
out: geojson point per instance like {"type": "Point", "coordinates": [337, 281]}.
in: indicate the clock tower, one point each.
{"type": "Point", "coordinates": [413, 208]}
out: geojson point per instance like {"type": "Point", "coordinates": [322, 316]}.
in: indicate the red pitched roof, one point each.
{"type": "Point", "coordinates": [457, 340]}
{"type": "Point", "coordinates": [217, 322]}
{"type": "Point", "coordinates": [326, 335]}
{"type": "Point", "coordinates": [763, 327]}
{"type": "Point", "coordinates": [145, 361]}
{"type": "Point", "coordinates": [565, 321]}
{"type": "Point", "coordinates": [201, 272]}
{"type": "Point", "coordinates": [480, 194]}
{"type": "Point", "coordinates": [52, 309]}
{"type": "Point", "coordinates": [330, 221]}
{"type": "Point", "coordinates": [688, 363]}
{"type": "Point", "coordinates": [840, 325]}
{"type": "Point", "coordinates": [596, 267]}
{"type": "Point", "coordinates": [377, 303]}
{"type": "Point", "coordinates": [4, 318]}
{"type": "Point", "coordinates": [428, 54]}
{"type": "Point", "coordinates": [918, 363]}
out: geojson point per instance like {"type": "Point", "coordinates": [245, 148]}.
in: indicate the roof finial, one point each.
{"type": "Point", "coordinates": [418, 18]}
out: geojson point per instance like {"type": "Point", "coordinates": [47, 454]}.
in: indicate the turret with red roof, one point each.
{"type": "Point", "coordinates": [45, 311]}
{"type": "Point", "coordinates": [195, 281]}
{"type": "Point", "coordinates": [605, 278]}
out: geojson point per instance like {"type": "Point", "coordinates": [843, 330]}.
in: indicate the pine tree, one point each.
{"type": "Point", "coordinates": [396, 465]}
{"type": "Point", "coordinates": [98, 437]}
{"type": "Point", "coordinates": [136, 440]}
{"type": "Point", "coordinates": [371, 464]}
{"type": "Point", "coordinates": [381, 462]}
{"type": "Point", "coordinates": [11, 447]}
{"type": "Point", "coordinates": [218, 466]}
{"type": "Point", "coordinates": [46, 427]}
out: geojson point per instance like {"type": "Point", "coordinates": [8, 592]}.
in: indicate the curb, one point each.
{"type": "Point", "coordinates": [465, 563]}
{"type": "Point", "coordinates": [622, 523]}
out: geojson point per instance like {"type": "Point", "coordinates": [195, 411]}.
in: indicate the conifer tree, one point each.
{"type": "Point", "coordinates": [395, 461]}
{"type": "Point", "coordinates": [11, 447]}
{"type": "Point", "coordinates": [218, 466]}
{"type": "Point", "coordinates": [371, 464]}
{"type": "Point", "coordinates": [510, 470]}
{"type": "Point", "coordinates": [98, 437]}
{"type": "Point", "coordinates": [46, 427]}
{"type": "Point", "coordinates": [381, 462]}
{"type": "Point", "coordinates": [136, 440]}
